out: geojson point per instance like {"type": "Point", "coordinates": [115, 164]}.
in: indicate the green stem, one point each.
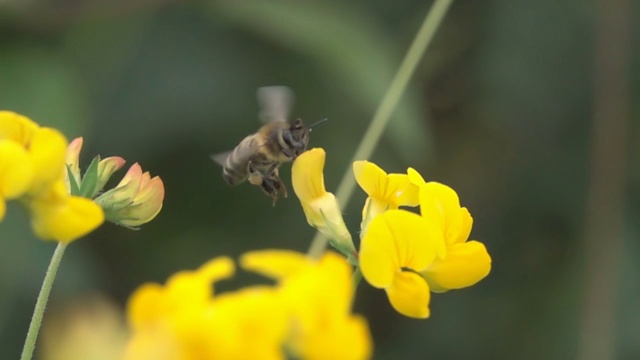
{"type": "Point", "coordinates": [41, 303]}
{"type": "Point", "coordinates": [357, 276]}
{"type": "Point", "coordinates": [383, 113]}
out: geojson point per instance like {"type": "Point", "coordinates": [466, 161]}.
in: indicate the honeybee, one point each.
{"type": "Point", "coordinates": [258, 156]}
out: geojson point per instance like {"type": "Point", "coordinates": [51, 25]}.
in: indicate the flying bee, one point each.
{"type": "Point", "coordinates": [258, 156]}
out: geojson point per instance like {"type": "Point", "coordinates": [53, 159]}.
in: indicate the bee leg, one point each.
{"type": "Point", "coordinates": [275, 178]}
{"type": "Point", "coordinates": [255, 176]}
{"type": "Point", "coordinates": [273, 169]}
{"type": "Point", "coordinates": [272, 187]}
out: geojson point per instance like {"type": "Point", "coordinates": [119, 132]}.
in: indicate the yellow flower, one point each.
{"type": "Point", "coordinates": [319, 297]}
{"type": "Point", "coordinates": [44, 147]}
{"type": "Point", "coordinates": [465, 262]}
{"type": "Point", "coordinates": [320, 207]}
{"type": "Point", "coordinates": [32, 169]}
{"type": "Point", "coordinates": [135, 201]}
{"type": "Point", "coordinates": [16, 172]}
{"type": "Point", "coordinates": [385, 191]}
{"type": "Point", "coordinates": [16, 127]}
{"type": "Point", "coordinates": [89, 328]}
{"type": "Point", "coordinates": [56, 215]}
{"type": "Point", "coordinates": [160, 316]}
{"type": "Point", "coordinates": [183, 320]}
{"type": "Point", "coordinates": [248, 324]}
{"type": "Point", "coordinates": [396, 247]}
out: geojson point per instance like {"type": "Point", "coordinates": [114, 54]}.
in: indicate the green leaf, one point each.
{"type": "Point", "coordinates": [89, 186]}
{"type": "Point", "coordinates": [73, 184]}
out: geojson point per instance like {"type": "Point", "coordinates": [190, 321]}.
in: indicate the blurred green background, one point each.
{"type": "Point", "coordinates": [501, 109]}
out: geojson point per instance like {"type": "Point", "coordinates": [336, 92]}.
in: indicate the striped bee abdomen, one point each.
{"type": "Point", "coordinates": [235, 163]}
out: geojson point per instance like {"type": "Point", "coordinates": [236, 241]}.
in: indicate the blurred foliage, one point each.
{"type": "Point", "coordinates": [500, 110]}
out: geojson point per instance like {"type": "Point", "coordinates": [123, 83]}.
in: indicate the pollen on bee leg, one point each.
{"type": "Point", "coordinates": [255, 179]}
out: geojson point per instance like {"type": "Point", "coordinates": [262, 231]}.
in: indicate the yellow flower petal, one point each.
{"type": "Point", "coordinates": [146, 204]}
{"type": "Point", "coordinates": [395, 240]}
{"type": "Point", "coordinates": [440, 203]}
{"type": "Point", "coordinates": [409, 295]}
{"type": "Point", "coordinates": [55, 215]}
{"type": "Point", "coordinates": [16, 171]}
{"type": "Point", "coordinates": [274, 264]}
{"type": "Point", "coordinates": [154, 344]}
{"type": "Point", "coordinates": [466, 223]}
{"type": "Point", "coordinates": [415, 178]}
{"type": "Point", "coordinates": [219, 268]}
{"type": "Point", "coordinates": [307, 178]}
{"type": "Point", "coordinates": [17, 128]}
{"type": "Point", "coordinates": [410, 196]}
{"type": "Point", "coordinates": [143, 305]}
{"type": "Point", "coordinates": [245, 325]}
{"type": "Point", "coordinates": [48, 150]}
{"type": "Point", "coordinates": [195, 287]}
{"type": "Point", "coordinates": [349, 340]}
{"type": "Point", "coordinates": [320, 207]}
{"type": "Point", "coordinates": [388, 188]}
{"type": "Point", "coordinates": [320, 293]}
{"type": "Point", "coordinates": [186, 289]}
{"type": "Point", "coordinates": [465, 264]}
{"type": "Point", "coordinates": [371, 178]}
{"type": "Point", "coordinates": [319, 296]}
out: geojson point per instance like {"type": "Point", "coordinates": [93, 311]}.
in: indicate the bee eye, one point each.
{"type": "Point", "coordinates": [286, 136]}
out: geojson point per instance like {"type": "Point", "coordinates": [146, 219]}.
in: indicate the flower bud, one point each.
{"type": "Point", "coordinates": [136, 200]}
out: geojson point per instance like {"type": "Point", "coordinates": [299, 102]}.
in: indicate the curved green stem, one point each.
{"type": "Point", "coordinates": [41, 303]}
{"type": "Point", "coordinates": [383, 113]}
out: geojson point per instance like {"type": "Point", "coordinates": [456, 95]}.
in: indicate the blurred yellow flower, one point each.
{"type": "Point", "coordinates": [136, 200]}
{"type": "Point", "coordinates": [42, 149]}
{"type": "Point", "coordinates": [184, 320]}
{"type": "Point", "coordinates": [32, 169]}
{"type": "Point", "coordinates": [91, 328]}
{"type": "Point", "coordinates": [396, 247]}
{"type": "Point", "coordinates": [318, 296]}
{"type": "Point", "coordinates": [385, 191]}
{"type": "Point", "coordinates": [465, 262]}
{"type": "Point", "coordinates": [248, 324]}
{"type": "Point", "coordinates": [162, 317]}
{"type": "Point", "coordinates": [320, 207]}
{"type": "Point", "coordinates": [15, 172]}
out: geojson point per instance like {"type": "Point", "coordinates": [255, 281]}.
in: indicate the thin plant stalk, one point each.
{"type": "Point", "coordinates": [41, 303]}
{"type": "Point", "coordinates": [389, 102]}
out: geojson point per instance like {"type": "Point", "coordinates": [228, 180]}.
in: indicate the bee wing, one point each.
{"type": "Point", "coordinates": [275, 103]}
{"type": "Point", "coordinates": [221, 158]}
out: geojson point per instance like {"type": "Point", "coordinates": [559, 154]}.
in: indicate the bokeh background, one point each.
{"type": "Point", "coordinates": [527, 108]}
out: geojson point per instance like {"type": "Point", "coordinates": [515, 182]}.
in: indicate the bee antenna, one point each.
{"type": "Point", "coordinates": [317, 123]}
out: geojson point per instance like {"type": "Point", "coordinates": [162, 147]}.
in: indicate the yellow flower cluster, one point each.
{"type": "Point", "coordinates": [408, 255]}
{"type": "Point", "coordinates": [32, 163]}
{"type": "Point", "coordinates": [135, 201]}
{"type": "Point", "coordinates": [305, 315]}
{"type": "Point", "coordinates": [43, 173]}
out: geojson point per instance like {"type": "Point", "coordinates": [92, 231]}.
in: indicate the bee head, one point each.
{"type": "Point", "coordinates": [296, 138]}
